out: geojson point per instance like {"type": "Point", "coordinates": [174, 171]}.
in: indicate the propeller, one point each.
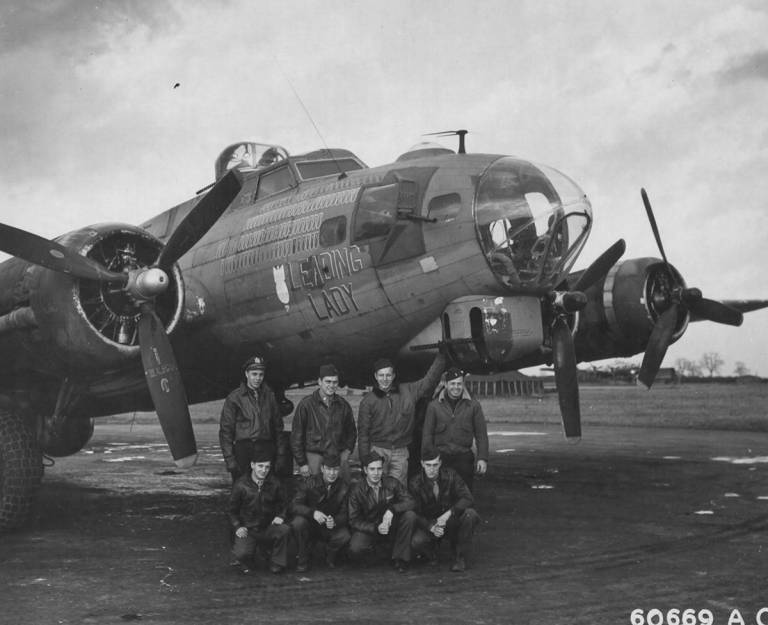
{"type": "Point", "coordinates": [563, 303]}
{"type": "Point", "coordinates": [678, 300]}
{"type": "Point", "coordinates": [51, 255]}
{"type": "Point", "coordinates": [143, 285]}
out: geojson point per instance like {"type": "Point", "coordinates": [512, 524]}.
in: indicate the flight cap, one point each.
{"type": "Point", "coordinates": [331, 459]}
{"type": "Point", "coordinates": [328, 370]}
{"type": "Point", "coordinates": [262, 452]}
{"type": "Point", "coordinates": [382, 363]}
{"type": "Point", "coordinates": [371, 457]}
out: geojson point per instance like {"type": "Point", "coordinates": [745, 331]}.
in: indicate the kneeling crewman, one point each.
{"type": "Point", "coordinates": [320, 512]}
{"type": "Point", "coordinates": [257, 509]}
{"type": "Point", "coordinates": [381, 512]}
{"type": "Point", "coordinates": [444, 507]}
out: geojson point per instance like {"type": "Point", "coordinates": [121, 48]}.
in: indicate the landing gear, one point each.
{"type": "Point", "coordinates": [64, 436]}
{"type": "Point", "coordinates": [21, 470]}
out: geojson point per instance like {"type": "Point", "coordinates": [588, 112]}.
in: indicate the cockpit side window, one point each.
{"type": "Point", "coordinates": [275, 181]}
{"type": "Point", "coordinates": [333, 231]}
{"type": "Point", "coordinates": [376, 212]}
{"type": "Point", "coordinates": [444, 207]}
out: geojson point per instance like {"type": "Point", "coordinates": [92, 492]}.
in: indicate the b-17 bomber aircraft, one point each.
{"type": "Point", "coordinates": [310, 259]}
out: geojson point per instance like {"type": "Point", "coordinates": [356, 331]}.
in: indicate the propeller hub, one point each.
{"type": "Point", "coordinates": [146, 284]}
{"type": "Point", "coordinates": [569, 301]}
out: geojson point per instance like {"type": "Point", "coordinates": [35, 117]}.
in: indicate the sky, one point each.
{"type": "Point", "coordinates": [669, 96]}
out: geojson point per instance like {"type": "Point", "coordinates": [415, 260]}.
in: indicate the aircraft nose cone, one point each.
{"type": "Point", "coordinates": [151, 283]}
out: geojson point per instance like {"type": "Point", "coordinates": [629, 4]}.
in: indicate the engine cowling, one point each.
{"type": "Point", "coordinates": [89, 326]}
{"type": "Point", "coordinates": [622, 309]}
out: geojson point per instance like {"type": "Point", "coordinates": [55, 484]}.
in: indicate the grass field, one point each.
{"type": "Point", "coordinates": [700, 406]}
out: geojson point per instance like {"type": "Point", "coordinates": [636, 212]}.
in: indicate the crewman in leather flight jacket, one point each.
{"type": "Point", "coordinates": [320, 510]}
{"type": "Point", "coordinates": [258, 506]}
{"type": "Point", "coordinates": [444, 506]}
{"type": "Point", "coordinates": [454, 421]}
{"type": "Point", "coordinates": [381, 511]}
{"type": "Point", "coordinates": [250, 416]}
{"type": "Point", "coordinates": [386, 416]}
{"type": "Point", "coordinates": [323, 421]}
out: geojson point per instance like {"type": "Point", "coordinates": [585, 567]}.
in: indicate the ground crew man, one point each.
{"type": "Point", "coordinates": [319, 509]}
{"type": "Point", "coordinates": [444, 508]}
{"type": "Point", "coordinates": [386, 415]}
{"type": "Point", "coordinates": [250, 416]}
{"type": "Point", "coordinates": [257, 511]}
{"type": "Point", "coordinates": [323, 421]}
{"type": "Point", "coordinates": [453, 422]}
{"type": "Point", "coordinates": [381, 513]}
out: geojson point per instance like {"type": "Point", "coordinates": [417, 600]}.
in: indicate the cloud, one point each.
{"type": "Point", "coordinates": [751, 67]}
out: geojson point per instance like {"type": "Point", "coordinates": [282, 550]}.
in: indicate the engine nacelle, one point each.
{"type": "Point", "coordinates": [89, 326]}
{"type": "Point", "coordinates": [623, 308]}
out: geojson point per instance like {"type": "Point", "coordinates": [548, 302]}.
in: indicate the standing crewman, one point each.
{"type": "Point", "coordinates": [386, 417]}
{"type": "Point", "coordinates": [250, 416]}
{"type": "Point", "coordinates": [453, 422]}
{"type": "Point", "coordinates": [323, 421]}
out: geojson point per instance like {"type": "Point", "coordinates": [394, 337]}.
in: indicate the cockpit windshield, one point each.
{"type": "Point", "coordinates": [249, 156]}
{"type": "Point", "coordinates": [532, 222]}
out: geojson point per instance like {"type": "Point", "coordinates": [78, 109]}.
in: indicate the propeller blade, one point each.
{"type": "Point", "coordinates": [200, 219]}
{"type": "Point", "coordinates": [166, 388]}
{"type": "Point", "coordinates": [654, 227]}
{"type": "Point", "coordinates": [716, 311]}
{"type": "Point", "coordinates": [745, 305]}
{"type": "Point", "coordinates": [601, 266]}
{"type": "Point", "coordinates": [657, 346]}
{"type": "Point", "coordinates": [564, 358]}
{"type": "Point", "coordinates": [51, 255]}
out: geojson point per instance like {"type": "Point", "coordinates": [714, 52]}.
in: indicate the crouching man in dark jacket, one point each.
{"type": "Point", "coordinates": [320, 512]}
{"type": "Point", "coordinates": [381, 511]}
{"type": "Point", "coordinates": [257, 509]}
{"type": "Point", "coordinates": [444, 507]}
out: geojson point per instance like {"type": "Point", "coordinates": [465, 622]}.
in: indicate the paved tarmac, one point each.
{"type": "Point", "coordinates": [630, 519]}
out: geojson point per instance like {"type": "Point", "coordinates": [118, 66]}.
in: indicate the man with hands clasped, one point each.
{"type": "Point", "coordinates": [257, 509]}
{"type": "Point", "coordinates": [320, 512]}
{"type": "Point", "coordinates": [444, 508]}
{"type": "Point", "coordinates": [381, 513]}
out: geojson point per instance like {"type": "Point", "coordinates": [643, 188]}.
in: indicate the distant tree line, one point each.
{"type": "Point", "coordinates": [625, 371]}
{"type": "Point", "coordinates": [711, 362]}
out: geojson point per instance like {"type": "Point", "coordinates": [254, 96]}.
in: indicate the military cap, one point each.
{"type": "Point", "coordinates": [453, 373]}
{"type": "Point", "coordinates": [327, 371]}
{"type": "Point", "coordinates": [263, 452]}
{"type": "Point", "coordinates": [382, 363]}
{"type": "Point", "coordinates": [331, 459]}
{"type": "Point", "coordinates": [371, 457]}
{"type": "Point", "coordinates": [430, 453]}
{"type": "Point", "coordinates": [254, 362]}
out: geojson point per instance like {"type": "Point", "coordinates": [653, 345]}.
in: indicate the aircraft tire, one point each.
{"type": "Point", "coordinates": [21, 471]}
